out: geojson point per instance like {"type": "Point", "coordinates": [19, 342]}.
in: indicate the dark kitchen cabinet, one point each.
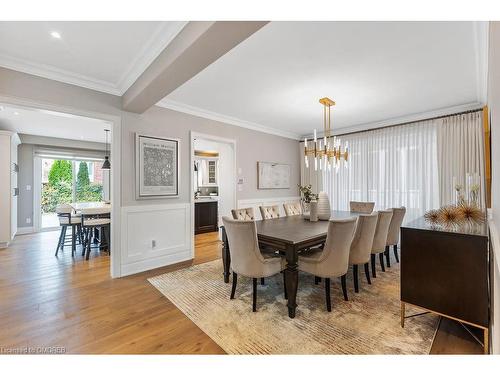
{"type": "Point", "coordinates": [205, 217]}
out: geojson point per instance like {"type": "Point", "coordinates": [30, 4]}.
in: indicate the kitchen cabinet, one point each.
{"type": "Point", "coordinates": [205, 216]}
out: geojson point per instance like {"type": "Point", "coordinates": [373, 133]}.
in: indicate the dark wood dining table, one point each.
{"type": "Point", "coordinates": [289, 235]}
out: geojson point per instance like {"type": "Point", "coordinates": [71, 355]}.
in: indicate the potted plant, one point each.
{"type": "Point", "coordinates": [306, 197]}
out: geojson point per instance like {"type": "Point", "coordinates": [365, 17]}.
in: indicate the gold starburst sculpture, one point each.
{"type": "Point", "coordinates": [450, 216]}
{"type": "Point", "coordinates": [471, 213]}
{"type": "Point", "coordinates": [432, 216]}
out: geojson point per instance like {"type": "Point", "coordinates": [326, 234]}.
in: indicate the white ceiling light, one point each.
{"type": "Point", "coordinates": [55, 35]}
{"type": "Point", "coordinates": [16, 113]}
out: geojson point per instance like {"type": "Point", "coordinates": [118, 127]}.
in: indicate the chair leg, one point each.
{"type": "Point", "coordinates": [60, 240]}
{"type": "Point", "coordinates": [355, 277]}
{"type": "Point", "coordinates": [388, 256]}
{"type": "Point", "coordinates": [344, 287]}
{"type": "Point", "coordinates": [327, 295]}
{"type": "Point", "coordinates": [73, 240]}
{"type": "Point", "coordinates": [367, 274]}
{"type": "Point", "coordinates": [254, 304]}
{"type": "Point", "coordinates": [262, 281]}
{"type": "Point", "coordinates": [233, 288]}
{"type": "Point", "coordinates": [381, 257]}
{"type": "Point", "coordinates": [374, 272]}
{"type": "Point", "coordinates": [396, 253]}
{"type": "Point", "coordinates": [284, 285]}
{"type": "Point", "coordinates": [89, 240]}
{"type": "Point", "coordinates": [317, 280]}
{"type": "Point", "coordinates": [85, 239]}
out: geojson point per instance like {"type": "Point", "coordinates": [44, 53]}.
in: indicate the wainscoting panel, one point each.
{"type": "Point", "coordinates": [255, 203]}
{"type": "Point", "coordinates": [155, 236]}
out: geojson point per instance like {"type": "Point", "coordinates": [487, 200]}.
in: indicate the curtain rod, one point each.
{"type": "Point", "coordinates": [408, 122]}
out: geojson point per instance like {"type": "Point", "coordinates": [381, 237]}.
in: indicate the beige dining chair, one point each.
{"type": "Point", "coordinates": [361, 246]}
{"type": "Point", "coordinates": [269, 212]}
{"type": "Point", "coordinates": [246, 257]}
{"type": "Point", "coordinates": [333, 261]}
{"type": "Point", "coordinates": [380, 238]}
{"type": "Point", "coordinates": [243, 213]}
{"type": "Point", "coordinates": [92, 219]}
{"type": "Point", "coordinates": [68, 218]}
{"type": "Point", "coordinates": [292, 209]}
{"type": "Point", "coordinates": [362, 207]}
{"type": "Point", "coordinates": [398, 214]}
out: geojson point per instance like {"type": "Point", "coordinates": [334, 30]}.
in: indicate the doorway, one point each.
{"type": "Point", "coordinates": [213, 187]}
{"type": "Point", "coordinates": [62, 180]}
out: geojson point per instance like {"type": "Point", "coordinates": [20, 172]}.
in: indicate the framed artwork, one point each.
{"type": "Point", "coordinates": [156, 167]}
{"type": "Point", "coordinates": [273, 175]}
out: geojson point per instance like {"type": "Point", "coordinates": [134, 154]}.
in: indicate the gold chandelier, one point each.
{"type": "Point", "coordinates": [328, 152]}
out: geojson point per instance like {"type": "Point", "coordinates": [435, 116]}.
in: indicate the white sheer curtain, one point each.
{"type": "Point", "coordinates": [409, 165]}
{"type": "Point", "coordinates": [392, 167]}
{"type": "Point", "coordinates": [460, 151]}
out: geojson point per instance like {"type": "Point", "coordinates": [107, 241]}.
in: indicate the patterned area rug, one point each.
{"type": "Point", "coordinates": [369, 323]}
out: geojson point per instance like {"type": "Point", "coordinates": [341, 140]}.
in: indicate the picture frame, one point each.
{"type": "Point", "coordinates": [157, 163]}
{"type": "Point", "coordinates": [271, 175]}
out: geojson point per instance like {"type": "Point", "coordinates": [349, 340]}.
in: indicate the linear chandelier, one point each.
{"type": "Point", "coordinates": [329, 151]}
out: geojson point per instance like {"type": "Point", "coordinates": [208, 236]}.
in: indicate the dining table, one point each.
{"type": "Point", "coordinates": [290, 235]}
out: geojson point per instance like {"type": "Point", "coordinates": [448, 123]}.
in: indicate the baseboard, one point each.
{"type": "Point", "coordinates": [24, 230]}
{"type": "Point", "coordinates": [148, 264]}
{"type": "Point", "coordinates": [4, 245]}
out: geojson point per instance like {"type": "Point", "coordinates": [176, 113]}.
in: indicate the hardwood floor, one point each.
{"type": "Point", "coordinates": [74, 304]}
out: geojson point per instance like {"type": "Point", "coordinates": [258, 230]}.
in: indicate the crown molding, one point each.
{"type": "Point", "coordinates": [160, 39]}
{"type": "Point", "coordinates": [56, 74]}
{"type": "Point", "coordinates": [422, 116]}
{"type": "Point", "coordinates": [199, 112]}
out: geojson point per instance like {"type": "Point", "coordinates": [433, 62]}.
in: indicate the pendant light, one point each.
{"type": "Point", "coordinates": [106, 164]}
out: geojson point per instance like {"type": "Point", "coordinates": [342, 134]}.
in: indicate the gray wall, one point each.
{"type": "Point", "coordinates": [251, 146]}
{"type": "Point", "coordinates": [25, 176]}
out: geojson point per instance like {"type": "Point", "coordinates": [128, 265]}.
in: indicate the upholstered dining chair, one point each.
{"type": "Point", "coordinates": [380, 239]}
{"type": "Point", "coordinates": [398, 214]}
{"type": "Point", "coordinates": [362, 207]}
{"type": "Point", "coordinates": [269, 212]}
{"type": "Point", "coordinates": [333, 261]}
{"type": "Point", "coordinates": [246, 257]}
{"type": "Point", "coordinates": [68, 218]}
{"type": "Point", "coordinates": [361, 246]}
{"type": "Point", "coordinates": [243, 213]}
{"type": "Point", "coordinates": [292, 209]}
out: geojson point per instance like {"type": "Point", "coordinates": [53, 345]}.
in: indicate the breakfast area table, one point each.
{"type": "Point", "coordinates": [290, 235]}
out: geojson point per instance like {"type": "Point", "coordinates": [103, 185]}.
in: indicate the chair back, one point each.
{"type": "Point", "coordinates": [363, 207]}
{"type": "Point", "coordinates": [246, 259]}
{"type": "Point", "coordinates": [64, 208]}
{"type": "Point", "coordinates": [362, 242]}
{"type": "Point", "coordinates": [398, 214]}
{"type": "Point", "coordinates": [381, 231]}
{"type": "Point", "coordinates": [243, 214]}
{"type": "Point", "coordinates": [269, 212]}
{"type": "Point", "coordinates": [334, 260]}
{"type": "Point", "coordinates": [292, 209]}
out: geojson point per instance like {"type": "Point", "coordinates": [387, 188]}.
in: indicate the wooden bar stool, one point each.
{"type": "Point", "coordinates": [67, 218]}
{"type": "Point", "coordinates": [95, 219]}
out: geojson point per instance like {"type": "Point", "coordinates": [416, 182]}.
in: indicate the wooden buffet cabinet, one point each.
{"type": "Point", "coordinates": [447, 272]}
{"type": "Point", "coordinates": [206, 216]}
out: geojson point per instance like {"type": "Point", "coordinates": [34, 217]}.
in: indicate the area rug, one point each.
{"type": "Point", "coordinates": [369, 323]}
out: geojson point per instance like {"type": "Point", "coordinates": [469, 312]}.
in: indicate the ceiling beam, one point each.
{"type": "Point", "coordinates": [197, 45]}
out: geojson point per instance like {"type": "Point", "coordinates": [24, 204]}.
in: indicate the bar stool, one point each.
{"type": "Point", "coordinates": [95, 219]}
{"type": "Point", "coordinates": [67, 218]}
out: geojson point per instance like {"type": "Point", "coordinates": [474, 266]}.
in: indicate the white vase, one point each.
{"type": "Point", "coordinates": [313, 212]}
{"type": "Point", "coordinates": [324, 211]}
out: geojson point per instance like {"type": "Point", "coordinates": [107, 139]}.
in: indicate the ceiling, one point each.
{"type": "Point", "coordinates": [375, 71]}
{"type": "Point", "coordinates": [52, 124]}
{"type": "Point", "coordinates": [104, 56]}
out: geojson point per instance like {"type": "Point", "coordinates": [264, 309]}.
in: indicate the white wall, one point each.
{"type": "Point", "coordinates": [494, 107]}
